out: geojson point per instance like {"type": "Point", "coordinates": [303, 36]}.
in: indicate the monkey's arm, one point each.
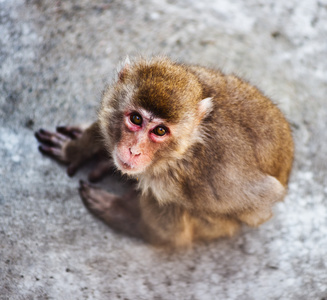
{"type": "Point", "coordinates": [75, 146]}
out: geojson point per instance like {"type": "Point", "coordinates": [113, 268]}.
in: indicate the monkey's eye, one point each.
{"type": "Point", "coordinates": [136, 119]}
{"type": "Point", "coordinates": [160, 131]}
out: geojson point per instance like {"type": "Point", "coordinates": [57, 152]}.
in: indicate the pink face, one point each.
{"type": "Point", "coordinates": [142, 136]}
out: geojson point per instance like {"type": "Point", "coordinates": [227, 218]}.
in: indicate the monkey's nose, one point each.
{"type": "Point", "coordinates": [134, 152]}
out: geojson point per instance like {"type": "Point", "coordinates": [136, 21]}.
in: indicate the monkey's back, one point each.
{"type": "Point", "coordinates": [247, 127]}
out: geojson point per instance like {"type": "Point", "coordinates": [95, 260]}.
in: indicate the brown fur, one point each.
{"type": "Point", "coordinates": [227, 161]}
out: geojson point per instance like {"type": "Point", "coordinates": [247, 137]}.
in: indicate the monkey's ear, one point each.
{"type": "Point", "coordinates": [205, 107]}
{"type": "Point", "coordinates": [123, 68]}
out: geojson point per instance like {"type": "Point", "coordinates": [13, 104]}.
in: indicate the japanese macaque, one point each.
{"type": "Point", "coordinates": [208, 152]}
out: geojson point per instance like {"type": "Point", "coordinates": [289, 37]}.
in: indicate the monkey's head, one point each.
{"type": "Point", "coordinates": [152, 114]}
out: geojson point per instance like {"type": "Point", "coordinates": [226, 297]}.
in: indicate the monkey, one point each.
{"type": "Point", "coordinates": [208, 152]}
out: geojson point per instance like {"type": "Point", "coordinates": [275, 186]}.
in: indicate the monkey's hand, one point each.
{"type": "Point", "coordinates": [74, 146]}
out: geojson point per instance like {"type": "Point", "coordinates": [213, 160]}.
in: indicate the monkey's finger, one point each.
{"type": "Point", "coordinates": [52, 151]}
{"type": "Point", "coordinates": [61, 137]}
{"type": "Point", "coordinates": [83, 186]}
{"type": "Point", "coordinates": [73, 132]}
{"type": "Point", "coordinates": [49, 138]}
{"type": "Point", "coordinates": [72, 168]}
{"type": "Point", "coordinates": [43, 138]}
{"type": "Point", "coordinates": [101, 170]}
{"type": "Point", "coordinates": [85, 193]}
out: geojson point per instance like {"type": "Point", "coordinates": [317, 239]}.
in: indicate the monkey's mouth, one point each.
{"type": "Point", "coordinates": [122, 165]}
{"type": "Point", "coordinates": [127, 166]}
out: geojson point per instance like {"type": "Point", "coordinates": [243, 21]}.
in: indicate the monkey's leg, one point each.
{"type": "Point", "coordinates": [165, 225]}
{"type": "Point", "coordinates": [75, 146]}
{"type": "Point", "coordinates": [263, 194]}
{"type": "Point", "coordinates": [209, 228]}
{"type": "Point", "coordinates": [120, 213]}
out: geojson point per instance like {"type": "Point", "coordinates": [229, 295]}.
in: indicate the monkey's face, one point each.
{"type": "Point", "coordinates": [150, 116]}
{"type": "Point", "coordinates": [143, 137]}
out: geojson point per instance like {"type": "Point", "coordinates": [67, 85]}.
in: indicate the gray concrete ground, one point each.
{"type": "Point", "coordinates": [55, 58]}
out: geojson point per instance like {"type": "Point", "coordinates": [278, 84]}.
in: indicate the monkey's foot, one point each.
{"type": "Point", "coordinates": [98, 201]}
{"type": "Point", "coordinates": [256, 218]}
{"type": "Point", "coordinates": [111, 209]}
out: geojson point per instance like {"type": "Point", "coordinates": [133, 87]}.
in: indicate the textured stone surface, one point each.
{"type": "Point", "coordinates": [55, 58]}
